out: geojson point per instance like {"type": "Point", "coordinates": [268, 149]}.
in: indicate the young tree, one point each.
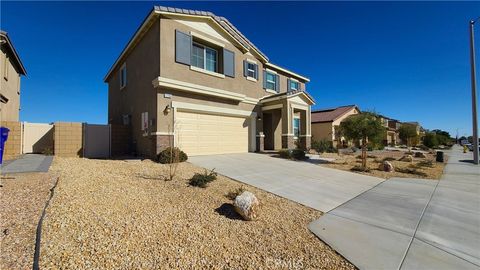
{"type": "Point", "coordinates": [362, 127]}
{"type": "Point", "coordinates": [408, 133]}
{"type": "Point", "coordinates": [430, 140]}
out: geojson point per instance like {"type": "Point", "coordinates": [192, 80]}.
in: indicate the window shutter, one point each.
{"type": "Point", "coordinates": [288, 85]}
{"type": "Point", "coordinates": [245, 68]}
{"type": "Point", "coordinates": [228, 63]}
{"type": "Point", "coordinates": [264, 79]}
{"type": "Point", "coordinates": [183, 47]}
{"type": "Point", "coordinates": [277, 83]}
{"type": "Point", "coordinates": [256, 72]}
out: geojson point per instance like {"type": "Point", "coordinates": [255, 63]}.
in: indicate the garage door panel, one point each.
{"type": "Point", "coordinates": [203, 134]}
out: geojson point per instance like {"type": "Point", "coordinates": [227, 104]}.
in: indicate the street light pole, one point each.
{"type": "Point", "coordinates": [474, 93]}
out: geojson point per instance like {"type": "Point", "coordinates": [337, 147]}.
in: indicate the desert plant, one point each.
{"type": "Point", "coordinates": [426, 163]}
{"type": "Point", "coordinates": [389, 159]}
{"type": "Point", "coordinates": [170, 155]}
{"type": "Point", "coordinates": [202, 179]}
{"type": "Point", "coordinates": [284, 153]}
{"type": "Point", "coordinates": [234, 193]}
{"type": "Point", "coordinates": [362, 127]}
{"type": "Point", "coordinates": [47, 151]}
{"type": "Point", "coordinates": [408, 133]}
{"type": "Point", "coordinates": [410, 171]}
{"type": "Point", "coordinates": [323, 146]}
{"type": "Point", "coordinates": [357, 168]}
{"type": "Point", "coordinates": [298, 154]}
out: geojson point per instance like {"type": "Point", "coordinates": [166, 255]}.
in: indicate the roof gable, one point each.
{"type": "Point", "coordinates": [330, 115]}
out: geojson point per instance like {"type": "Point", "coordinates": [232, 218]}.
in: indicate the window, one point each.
{"type": "Point", "coordinates": [271, 79]}
{"type": "Point", "coordinates": [251, 70]}
{"type": "Point", "coordinates": [204, 57]}
{"type": "Point", "coordinates": [294, 85]}
{"type": "Point", "coordinates": [296, 127]}
{"type": "Point", "coordinates": [123, 76]}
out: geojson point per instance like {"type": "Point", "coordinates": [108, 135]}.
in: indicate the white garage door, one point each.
{"type": "Point", "coordinates": [207, 134]}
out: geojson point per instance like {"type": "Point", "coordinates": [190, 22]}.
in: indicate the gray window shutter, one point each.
{"type": "Point", "coordinates": [256, 72]}
{"type": "Point", "coordinates": [228, 63]}
{"type": "Point", "coordinates": [288, 85]}
{"type": "Point", "coordinates": [264, 79]}
{"type": "Point", "coordinates": [183, 47]}
{"type": "Point", "coordinates": [245, 68]}
{"type": "Point", "coordinates": [277, 83]}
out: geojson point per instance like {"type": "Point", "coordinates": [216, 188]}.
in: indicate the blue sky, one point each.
{"type": "Point", "coordinates": [406, 60]}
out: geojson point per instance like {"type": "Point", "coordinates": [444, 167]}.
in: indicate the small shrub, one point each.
{"type": "Point", "coordinates": [389, 159]}
{"type": "Point", "coordinates": [323, 146]}
{"type": "Point", "coordinates": [298, 154]}
{"type": "Point", "coordinates": [424, 148]}
{"type": "Point", "coordinates": [358, 168]}
{"type": "Point", "coordinates": [171, 155]}
{"type": "Point", "coordinates": [426, 163]}
{"type": "Point", "coordinates": [47, 151]}
{"type": "Point", "coordinates": [202, 179]}
{"type": "Point", "coordinates": [284, 153]}
{"type": "Point", "coordinates": [234, 193]}
{"type": "Point", "coordinates": [410, 171]}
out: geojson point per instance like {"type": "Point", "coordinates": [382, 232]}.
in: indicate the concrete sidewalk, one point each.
{"type": "Point", "coordinates": [411, 223]}
{"type": "Point", "coordinates": [303, 182]}
{"type": "Point", "coordinates": [27, 163]}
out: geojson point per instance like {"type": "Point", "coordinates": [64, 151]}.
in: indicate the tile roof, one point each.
{"type": "Point", "coordinates": [329, 115]}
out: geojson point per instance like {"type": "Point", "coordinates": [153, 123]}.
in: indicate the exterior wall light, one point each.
{"type": "Point", "coordinates": [167, 109]}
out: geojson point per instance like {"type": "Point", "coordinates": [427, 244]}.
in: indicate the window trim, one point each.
{"type": "Point", "coordinates": [299, 126]}
{"type": "Point", "coordinates": [269, 81]}
{"type": "Point", "coordinates": [205, 47]}
{"type": "Point", "coordinates": [122, 68]}
{"type": "Point", "coordinates": [297, 83]}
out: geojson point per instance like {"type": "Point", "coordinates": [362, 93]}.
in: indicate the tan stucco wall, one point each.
{"type": "Point", "coordinates": [139, 95]}
{"type": "Point", "coordinates": [68, 139]}
{"type": "Point", "coordinates": [10, 88]}
{"type": "Point", "coordinates": [13, 145]}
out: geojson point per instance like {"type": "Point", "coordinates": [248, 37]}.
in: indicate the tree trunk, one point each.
{"type": "Point", "coordinates": [364, 153]}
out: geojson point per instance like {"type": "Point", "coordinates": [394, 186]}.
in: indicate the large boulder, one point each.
{"type": "Point", "coordinates": [247, 205]}
{"type": "Point", "coordinates": [420, 155]}
{"type": "Point", "coordinates": [407, 158]}
{"type": "Point", "coordinates": [386, 167]}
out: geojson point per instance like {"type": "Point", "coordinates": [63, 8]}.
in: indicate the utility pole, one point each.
{"type": "Point", "coordinates": [474, 93]}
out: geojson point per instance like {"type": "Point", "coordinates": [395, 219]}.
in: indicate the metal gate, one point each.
{"type": "Point", "coordinates": [96, 141]}
{"type": "Point", "coordinates": [37, 138]}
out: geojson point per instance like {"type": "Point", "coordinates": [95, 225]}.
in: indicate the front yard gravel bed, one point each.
{"type": "Point", "coordinates": [22, 199]}
{"type": "Point", "coordinates": [122, 215]}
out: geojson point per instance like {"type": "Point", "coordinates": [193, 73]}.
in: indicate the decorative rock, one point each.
{"type": "Point", "coordinates": [420, 155]}
{"type": "Point", "coordinates": [247, 205]}
{"type": "Point", "coordinates": [407, 158]}
{"type": "Point", "coordinates": [386, 167]}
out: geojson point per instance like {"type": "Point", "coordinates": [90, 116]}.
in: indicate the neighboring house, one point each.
{"type": "Point", "coordinates": [392, 135]}
{"type": "Point", "coordinates": [325, 123]}
{"type": "Point", "coordinates": [190, 78]}
{"type": "Point", "coordinates": [11, 68]}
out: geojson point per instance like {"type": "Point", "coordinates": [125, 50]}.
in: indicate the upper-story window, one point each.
{"type": "Point", "coordinates": [250, 69]}
{"type": "Point", "coordinates": [123, 76]}
{"type": "Point", "coordinates": [271, 81]}
{"type": "Point", "coordinates": [204, 57]}
{"type": "Point", "coordinates": [293, 85]}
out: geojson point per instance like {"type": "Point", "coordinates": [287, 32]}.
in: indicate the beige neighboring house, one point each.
{"type": "Point", "coordinates": [11, 68]}
{"type": "Point", "coordinates": [191, 78]}
{"type": "Point", "coordinates": [392, 134]}
{"type": "Point", "coordinates": [325, 122]}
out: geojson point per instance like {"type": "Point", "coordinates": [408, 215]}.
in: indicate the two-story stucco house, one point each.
{"type": "Point", "coordinates": [11, 69]}
{"type": "Point", "coordinates": [190, 77]}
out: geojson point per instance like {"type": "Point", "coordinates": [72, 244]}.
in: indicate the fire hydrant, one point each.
{"type": "Point", "coordinates": [465, 149]}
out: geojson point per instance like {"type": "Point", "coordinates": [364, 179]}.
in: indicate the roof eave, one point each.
{"type": "Point", "coordinates": [23, 71]}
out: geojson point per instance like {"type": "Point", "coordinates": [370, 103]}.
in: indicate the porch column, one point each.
{"type": "Point", "coordinates": [287, 130]}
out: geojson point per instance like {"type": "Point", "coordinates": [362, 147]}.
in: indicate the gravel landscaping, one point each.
{"type": "Point", "coordinates": [426, 168]}
{"type": "Point", "coordinates": [22, 199]}
{"type": "Point", "coordinates": [123, 215]}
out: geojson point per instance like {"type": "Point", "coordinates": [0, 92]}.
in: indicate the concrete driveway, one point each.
{"type": "Point", "coordinates": [411, 223]}
{"type": "Point", "coordinates": [309, 184]}
{"type": "Point", "coordinates": [27, 163]}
